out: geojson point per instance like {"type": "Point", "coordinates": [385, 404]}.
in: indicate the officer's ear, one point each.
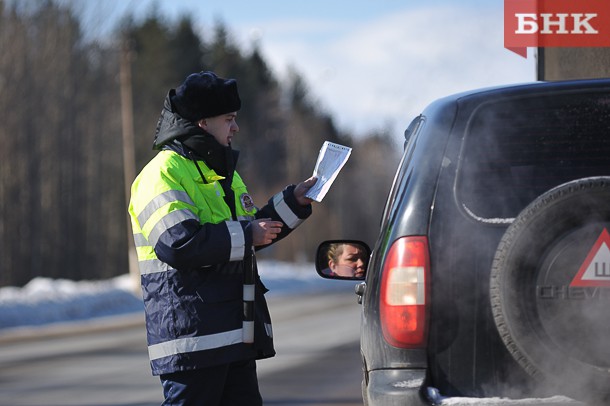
{"type": "Point", "coordinates": [203, 124]}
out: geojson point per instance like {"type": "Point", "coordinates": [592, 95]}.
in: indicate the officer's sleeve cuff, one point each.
{"type": "Point", "coordinates": [286, 206]}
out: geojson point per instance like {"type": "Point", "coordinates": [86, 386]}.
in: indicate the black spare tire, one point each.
{"type": "Point", "coordinates": [550, 289]}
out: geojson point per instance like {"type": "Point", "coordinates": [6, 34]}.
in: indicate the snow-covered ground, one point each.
{"type": "Point", "coordinates": [44, 301]}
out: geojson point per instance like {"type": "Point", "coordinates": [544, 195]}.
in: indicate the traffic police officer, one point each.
{"type": "Point", "coordinates": [195, 227]}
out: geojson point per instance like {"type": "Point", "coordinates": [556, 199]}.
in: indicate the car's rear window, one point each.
{"type": "Point", "coordinates": [515, 150]}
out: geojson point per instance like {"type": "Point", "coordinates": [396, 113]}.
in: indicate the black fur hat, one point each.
{"type": "Point", "coordinates": [204, 95]}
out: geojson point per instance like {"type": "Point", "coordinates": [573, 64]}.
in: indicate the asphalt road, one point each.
{"type": "Point", "coordinates": [103, 364]}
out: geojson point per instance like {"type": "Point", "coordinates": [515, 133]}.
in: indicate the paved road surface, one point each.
{"type": "Point", "coordinates": [318, 353]}
{"type": "Point", "coordinates": [317, 363]}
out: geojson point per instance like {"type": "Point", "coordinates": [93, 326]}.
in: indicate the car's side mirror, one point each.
{"type": "Point", "coordinates": [343, 259]}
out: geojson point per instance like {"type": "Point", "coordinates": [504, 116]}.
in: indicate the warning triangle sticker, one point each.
{"type": "Point", "coordinates": [595, 270]}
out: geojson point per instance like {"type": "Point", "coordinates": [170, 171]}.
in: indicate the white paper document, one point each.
{"type": "Point", "coordinates": [331, 159]}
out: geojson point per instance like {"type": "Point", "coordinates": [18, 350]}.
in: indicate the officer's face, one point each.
{"type": "Point", "coordinates": [222, 127]}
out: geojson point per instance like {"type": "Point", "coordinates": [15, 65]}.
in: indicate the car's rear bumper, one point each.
{"type": "Point", "coordinates": [389, 387]}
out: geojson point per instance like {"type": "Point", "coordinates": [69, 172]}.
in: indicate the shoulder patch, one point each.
{"type": "Point", "coordinates": [246, 202]}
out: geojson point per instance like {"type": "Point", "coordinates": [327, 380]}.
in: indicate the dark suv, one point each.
{"type": "Point", "coordinates": [491, 273]}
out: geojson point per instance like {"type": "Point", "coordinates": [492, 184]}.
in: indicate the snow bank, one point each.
{"type": "Point", "coordinates": [44, 300]}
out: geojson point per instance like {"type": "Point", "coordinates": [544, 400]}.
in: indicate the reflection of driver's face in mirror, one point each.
{"type": "Point", "coordinates": [346, 260]}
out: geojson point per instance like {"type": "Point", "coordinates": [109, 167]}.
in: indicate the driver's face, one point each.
{"type": "Point", "coordinates": [350, 263]}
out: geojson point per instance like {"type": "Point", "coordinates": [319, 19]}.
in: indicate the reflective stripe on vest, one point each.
{"type": "Point", "coordinates": [149, 266]}
{"type": "Point", "coordinates": [161, 200]}
{"type": "Point", "coordinates": [167, 222]}
{"type": "Point", "coordinates": [140, 240]}
{"type": "Point", "coordinates": [201, 343]}
{"type": "Point", "coordinates": [192, 344]}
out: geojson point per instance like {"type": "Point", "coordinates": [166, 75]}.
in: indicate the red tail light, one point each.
{"type": "Point", "coordinates": [404, 293]}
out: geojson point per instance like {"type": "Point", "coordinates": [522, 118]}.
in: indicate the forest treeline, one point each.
{"type": "Point", "coordinates": [63, 155]}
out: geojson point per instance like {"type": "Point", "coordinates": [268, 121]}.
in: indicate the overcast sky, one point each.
{"type": "Point", "coordinates": [369, 63]}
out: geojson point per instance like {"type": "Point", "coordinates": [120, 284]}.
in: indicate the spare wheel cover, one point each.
{"type": "Point", "coordinates": [550, 288]}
